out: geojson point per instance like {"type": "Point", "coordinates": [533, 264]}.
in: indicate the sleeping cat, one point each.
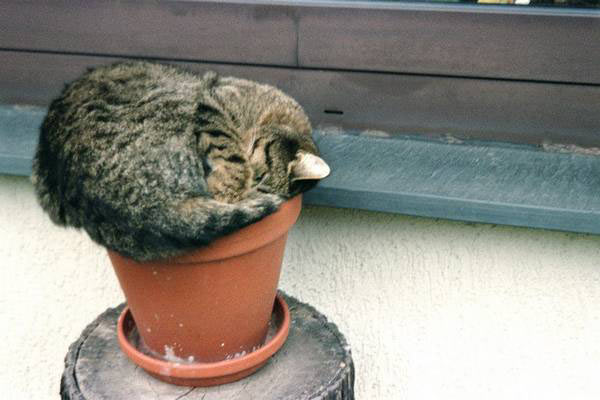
{"type": "Point", "coordinates": [152, 160]}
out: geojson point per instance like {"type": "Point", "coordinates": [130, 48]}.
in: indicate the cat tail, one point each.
{"type": "Point", "coordinates": [205, 219]}
{"type": "Point", "coordinates": [197, 221]}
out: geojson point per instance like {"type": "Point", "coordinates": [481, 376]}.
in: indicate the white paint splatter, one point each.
{"type": "Point", "coordinates": [170, 356]}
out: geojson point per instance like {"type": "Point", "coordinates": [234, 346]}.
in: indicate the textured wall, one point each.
{"type": "Point", "coordinates": [432, 309]}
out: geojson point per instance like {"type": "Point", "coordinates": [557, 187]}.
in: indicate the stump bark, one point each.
{"type": "Point", "coordinates": [315, 363]}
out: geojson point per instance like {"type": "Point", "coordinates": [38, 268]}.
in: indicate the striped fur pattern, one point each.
{"type": "Point", "coordinates": [152, 160]}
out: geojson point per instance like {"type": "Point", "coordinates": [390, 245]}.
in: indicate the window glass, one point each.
{"type": "Point", "coordinates": [538, 3]}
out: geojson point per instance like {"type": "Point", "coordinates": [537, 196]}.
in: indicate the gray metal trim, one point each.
{"type": "Point", "coordinates": [522, 112]}
{"type": "Point", "coordinates": [521, 43]}
{"type": "Point", "coordinates": [474, 181]}
{"type": "Point", "coordinates": [18, 138]}
{"type": "Point", "coordinates": [514, 214]}
{"type": "Point", "coordinates": [479, 182]}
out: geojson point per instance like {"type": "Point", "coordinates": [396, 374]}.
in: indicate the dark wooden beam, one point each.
{"type": "Point", "coordinates": [519, 43]}
{"type": "Point", "coordinates": [220, 31]}
{"type": "Point", "coordinates": [521, 112]}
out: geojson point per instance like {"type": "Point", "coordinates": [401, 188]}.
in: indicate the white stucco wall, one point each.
{"type": "Point", "coordinates": [433, 309]}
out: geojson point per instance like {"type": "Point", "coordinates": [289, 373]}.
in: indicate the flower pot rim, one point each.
{"type": "Point", "coordinates": [248, 238]}
{"type": "Point", "coordinates": [244, 240]}
{"type": "Point", "coordinates": [195, 372]}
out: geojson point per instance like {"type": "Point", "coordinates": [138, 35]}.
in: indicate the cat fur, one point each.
{"type": "Point", "coordinates": [152, 160]}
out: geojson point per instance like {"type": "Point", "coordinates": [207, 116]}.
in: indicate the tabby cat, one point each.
{"type": "Point", "coordinates": [152, 160]}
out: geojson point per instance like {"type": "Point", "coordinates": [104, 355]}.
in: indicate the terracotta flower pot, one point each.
{"type": "Point", "coordinates": [212, 305]}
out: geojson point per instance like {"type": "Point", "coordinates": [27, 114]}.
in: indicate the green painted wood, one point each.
{"type": "Point", "coordinates": [472, 181]}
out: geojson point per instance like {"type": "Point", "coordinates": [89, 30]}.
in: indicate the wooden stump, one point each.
{"type": "Point", "coordinates": [314, 363]}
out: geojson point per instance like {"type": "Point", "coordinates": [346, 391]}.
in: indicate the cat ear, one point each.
{"type": "Point", "coordinates": [307, 166]}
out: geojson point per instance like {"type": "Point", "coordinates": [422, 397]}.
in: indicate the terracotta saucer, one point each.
{"type": "Point", "coordinates": [206, 374]}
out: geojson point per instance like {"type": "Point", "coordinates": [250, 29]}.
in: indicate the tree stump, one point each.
{"type": "Point", "coordinates": [315, 363]}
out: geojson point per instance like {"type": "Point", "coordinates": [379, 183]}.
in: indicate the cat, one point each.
{"type": "Point", "coordinates": [152, 160]}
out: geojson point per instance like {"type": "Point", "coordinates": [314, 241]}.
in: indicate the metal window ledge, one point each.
{"type": "Point", "coordinates": [471, 181]}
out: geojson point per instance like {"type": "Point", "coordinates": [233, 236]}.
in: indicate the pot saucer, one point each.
{"type": "Point", "coordinates": [206, 374]}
